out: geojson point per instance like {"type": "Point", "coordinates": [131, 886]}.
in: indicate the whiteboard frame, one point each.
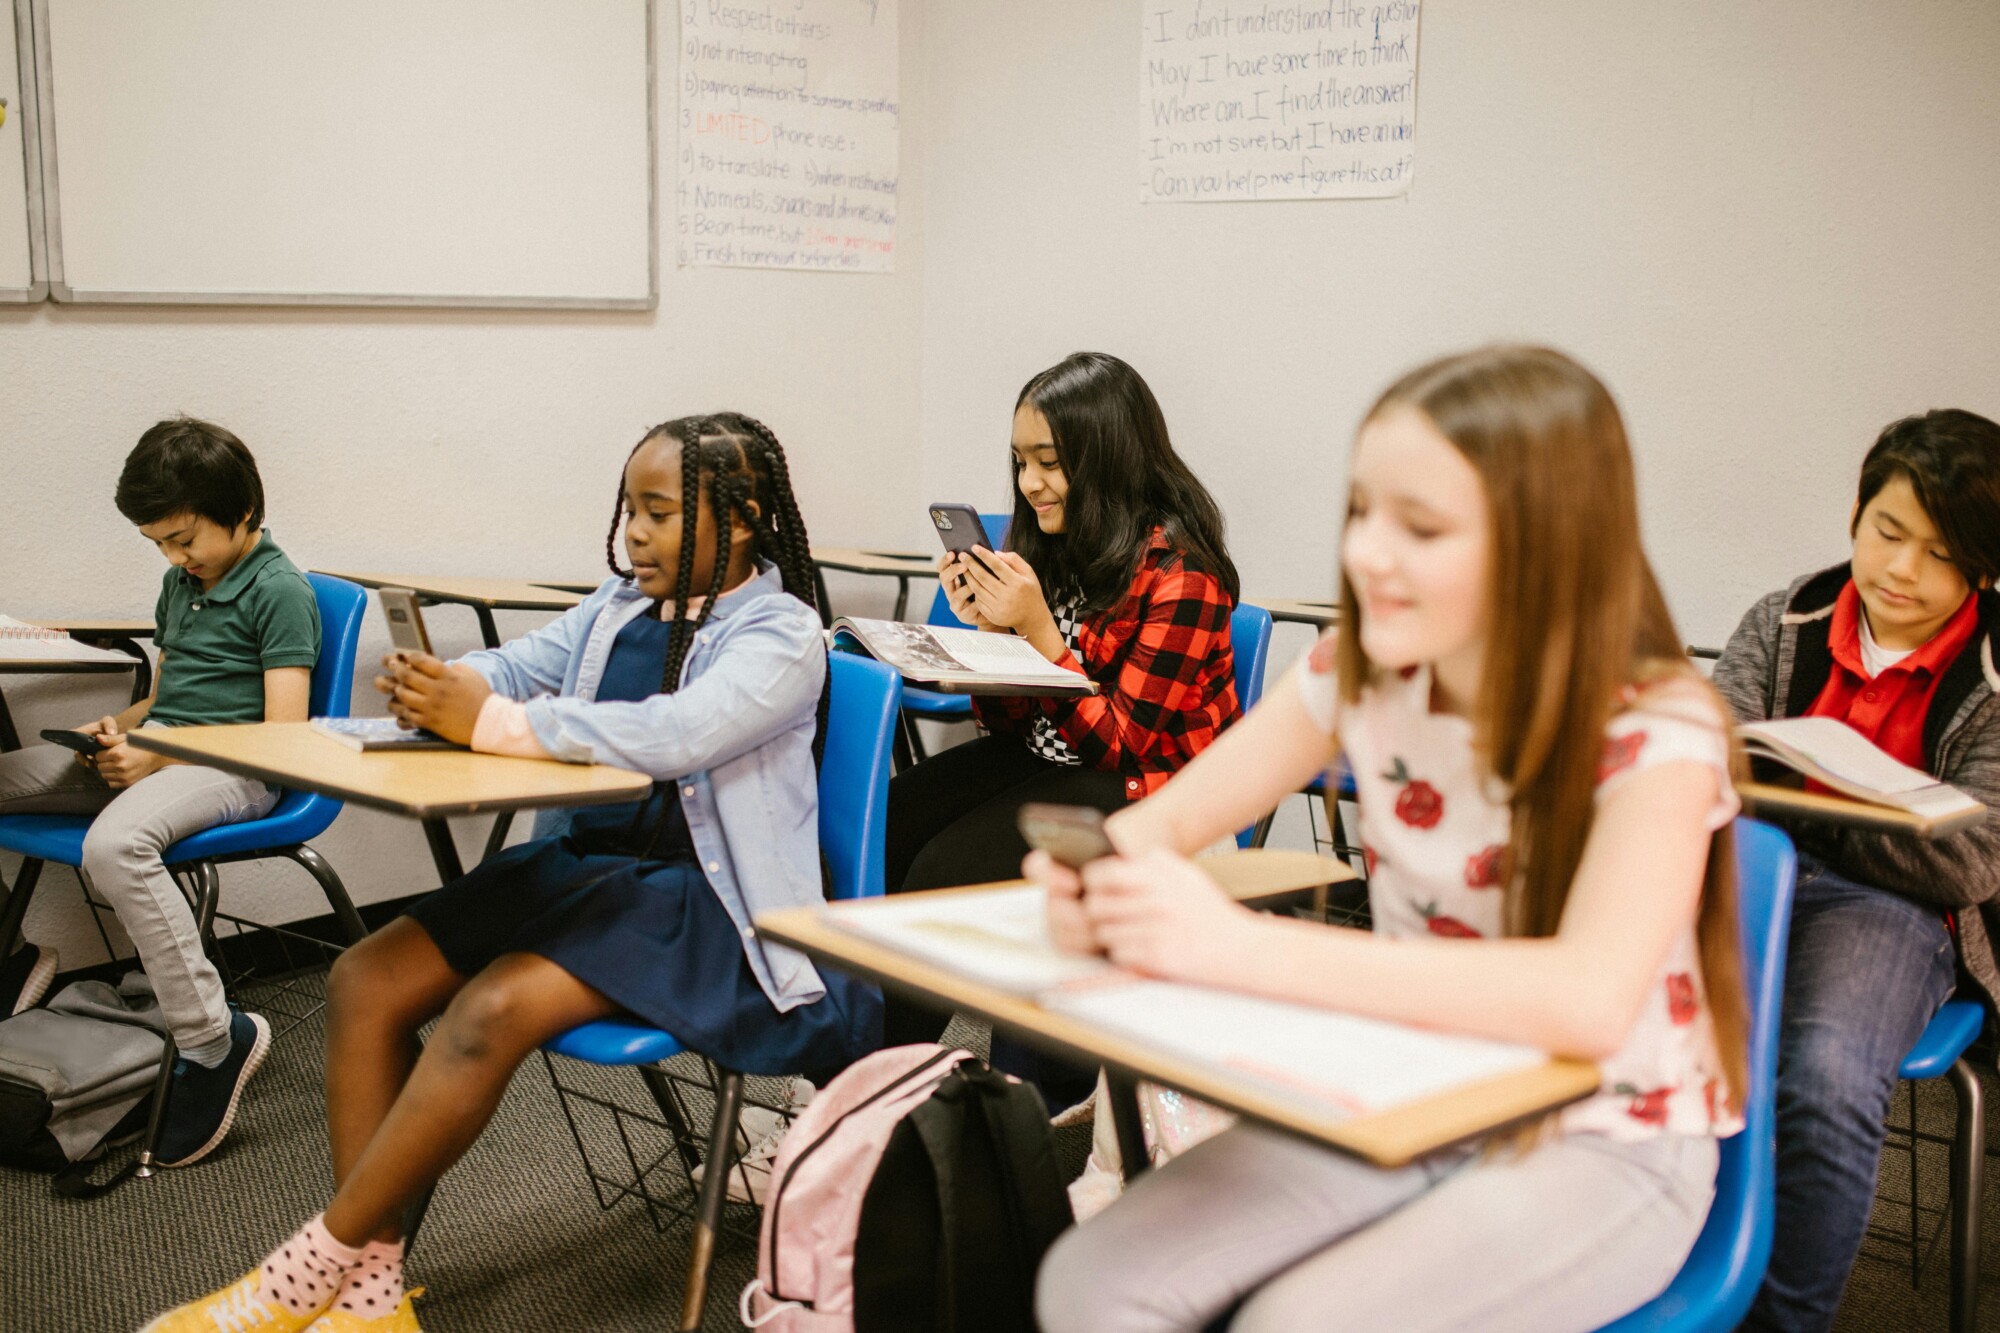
{"type": "Point", "coordinates": [56, 285]}
{"type": "Point", "coordinates": [28, 57]}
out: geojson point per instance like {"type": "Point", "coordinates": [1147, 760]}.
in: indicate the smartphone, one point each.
{"type": "Point", "coordinates": [406, 622]}
{"type": "Point", "coordinates": [959, 528]}
{"type": "Point", "coordinates": [83, 742]}
{"type": "Point", "coordinates": [1072, 834]}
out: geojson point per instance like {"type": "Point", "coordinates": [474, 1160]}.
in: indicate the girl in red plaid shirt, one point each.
{"type": "Point", "coordinates": [1116, 569]}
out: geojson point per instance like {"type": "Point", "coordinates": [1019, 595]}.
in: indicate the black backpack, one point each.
{"type": "Point", "coordinates": [966, 1201]}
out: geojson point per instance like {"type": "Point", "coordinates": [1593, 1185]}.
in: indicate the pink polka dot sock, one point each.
{"type": "Point", "coordinates": [305, 1273]}
{"type": "Point", "coordinates": [375, 1288]}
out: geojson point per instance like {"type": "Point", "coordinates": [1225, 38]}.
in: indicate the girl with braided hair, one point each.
{"type": "Point", "coordinates": [702, 665]}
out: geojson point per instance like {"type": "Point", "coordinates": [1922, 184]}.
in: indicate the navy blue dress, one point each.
{"type": "Point", "coordinates": [620, 902]}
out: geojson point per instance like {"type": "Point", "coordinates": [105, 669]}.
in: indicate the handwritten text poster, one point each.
{"type": "Point", "coordinates": [788, 134]}
{"type": "Point", "coordinates": [1313, 99]}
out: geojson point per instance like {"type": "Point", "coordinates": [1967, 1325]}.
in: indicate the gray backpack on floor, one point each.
{"type": "Point", "coordinates": [77, 1076]}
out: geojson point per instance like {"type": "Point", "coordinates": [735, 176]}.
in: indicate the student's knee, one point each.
{"type": "Point", "coordinates": [486, 1021]}
{"type": "Point", "coordinates": [364, 980]}
{"type": "Point", "coordinates": [1081, 1288]}
{"type": "Point", "coordinates": [1836, 1077]}
{"type": "Point", "coordinates": [115, 853]}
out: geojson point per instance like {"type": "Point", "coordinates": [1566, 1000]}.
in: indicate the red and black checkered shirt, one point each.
{"type": "Point", "coordinates": [1166, 677]}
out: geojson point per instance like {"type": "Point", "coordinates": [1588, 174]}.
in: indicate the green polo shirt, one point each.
{"type": "Point", "coordinates": [219, 642]}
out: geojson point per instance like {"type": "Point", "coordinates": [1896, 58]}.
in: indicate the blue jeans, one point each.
{"type": "Point", "coordinates": [1866, 970]}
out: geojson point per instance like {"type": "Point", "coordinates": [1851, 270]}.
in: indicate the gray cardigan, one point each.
{"type": "Point", "coordinates": [1777, 663]}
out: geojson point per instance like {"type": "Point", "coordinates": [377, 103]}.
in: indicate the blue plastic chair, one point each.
{"type": "Point", "coordinates": [1940, 1053]}
{"type": "Point", "coordinates": [853, 817]}
{"type": "Point", "coordinates": [293, 822]}
{"type": "Point", "coordinates": [1250, 640]}
{"type": "Point", "coordinates": [934, 705]}
{"type": "Point", "coordinates": [1716, 1285]}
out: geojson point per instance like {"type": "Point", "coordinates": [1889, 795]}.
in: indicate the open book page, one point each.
{"type": "Point", "coordinates": [944, 653]}
{"type": "Point", "coordinates": [1315, 1057]}
{"type": "Point", "coordinates": [1835, 754]}
{"type": "Point", "coordinates": [999, 937]}
{"type": "Point", "coordinates": [20, 641]}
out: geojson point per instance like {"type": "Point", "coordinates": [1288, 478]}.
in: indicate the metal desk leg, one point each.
{"type": "Point", "coordinates": [825, 603]}
{"type": "Point", "coordinates": [444, 852]}
{"type": "Point", "coordinates": [902, 596]}
{"type": "Point", "coordinates": [9, 738]}
{"type": "Point", "coordinates": [1132, 1155]}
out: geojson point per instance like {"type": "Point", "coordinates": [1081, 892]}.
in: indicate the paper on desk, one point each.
{"type": "Point", "coordinates": [999, 937]}
{"type": "Point", "coordinates": [1315, 1058]}
{"type": "Point", "coordinates": [20, 641]}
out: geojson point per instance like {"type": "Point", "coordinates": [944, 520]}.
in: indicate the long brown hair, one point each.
{"type": "Point", "coordinates": [1576, 622]}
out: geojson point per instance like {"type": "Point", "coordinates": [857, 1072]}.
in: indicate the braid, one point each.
{"type": "Point", "coordinates": [682, 632]}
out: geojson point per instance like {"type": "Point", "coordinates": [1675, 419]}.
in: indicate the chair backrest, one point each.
{"type": "Point", "coordinates": [341, 606]}
{"type": "Point", "coordinates": [854, 773]}
{"type": "Point", "coordinates": [997, 526]}
{"type": "Point", "coordinates": [1720, 1278]}
{"type": "Point", "coordinates": [1250, 641]}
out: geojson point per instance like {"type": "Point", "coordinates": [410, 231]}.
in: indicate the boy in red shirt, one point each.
{"type": "Point", "coordinates": [1900, 644]}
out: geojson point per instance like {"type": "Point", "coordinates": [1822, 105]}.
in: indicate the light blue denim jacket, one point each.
{"type": "Point", "coordinates": [737, 735]}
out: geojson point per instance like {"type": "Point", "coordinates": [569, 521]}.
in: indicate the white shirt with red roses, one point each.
{"type": "Point", "coordinates": [1434, 831]}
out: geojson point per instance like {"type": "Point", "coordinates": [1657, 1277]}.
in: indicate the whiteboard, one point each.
{"type": "Point", "coordinates": [349, 152]}
{"type": "Point", "coordinates": [21, 277]}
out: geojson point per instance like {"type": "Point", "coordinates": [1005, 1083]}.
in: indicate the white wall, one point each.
{"type": "Point", "coordinates": [441, 442]}
{"type": "Point", "coordinates": [1771, 228]}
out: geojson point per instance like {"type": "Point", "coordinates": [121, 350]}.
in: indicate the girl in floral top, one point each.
{"type": "Point", "coordinates": [1546, 803]}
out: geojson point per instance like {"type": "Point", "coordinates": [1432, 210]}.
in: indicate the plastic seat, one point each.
{"type": "Point", "coordinates": [934, 705]}
{"type": "Point", "coordinates": [853, 815]}
{"type": "Point", "coordinates": [1716, 1285]}
{"type": "Point", "coordinates": [1940, 1053]}
{"type": "Point", "coordinates": [297, 818]}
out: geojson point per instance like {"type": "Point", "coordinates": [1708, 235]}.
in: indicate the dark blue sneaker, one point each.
{"type": "Point", "coordinates": [201, 1103]}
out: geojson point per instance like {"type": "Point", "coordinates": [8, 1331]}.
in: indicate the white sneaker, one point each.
{"type": "Point", "coordinates": [759, 1131]}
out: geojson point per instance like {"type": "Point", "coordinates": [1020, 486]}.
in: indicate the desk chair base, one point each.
{"type": "Point", "coordinates": [654, 1157]}
{"type": "Point", "coordinates": [1967, 1179]}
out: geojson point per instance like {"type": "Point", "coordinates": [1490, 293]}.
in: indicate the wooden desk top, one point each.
{"type": "Point", "coordinates": [1389, 1139]}
{"type": "Point", "coordinates": [494, 594]}
{"type": "Point", "coordinates": [901, 564]}
{"type": "Point", "coordinates": [1321, 614]}
{"type": "Point", "coordinates": [98, 627]}
{"type": "Point", "coordinates": [424, 784]}
{"type": "Point", "coordinates": [1763, 798]}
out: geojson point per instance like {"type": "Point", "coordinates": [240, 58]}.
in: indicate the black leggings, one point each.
{"type": "Point", "coordinates": [951, 822]}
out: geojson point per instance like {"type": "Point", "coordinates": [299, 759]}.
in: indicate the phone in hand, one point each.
{"type": "Point", "coordinates": [1072, 834]}
{"type": "Point", "coordinates": [959, 528]}
{"type": "Point", "coordinates": [83, 742]}
{"type": "Point", "coordinates": [406, 622]}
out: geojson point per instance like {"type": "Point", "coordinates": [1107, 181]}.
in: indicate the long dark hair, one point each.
{"type": "Point", "coordinates": [728, 461]}
{"type": "Point", "coordinates": [1124, 480]}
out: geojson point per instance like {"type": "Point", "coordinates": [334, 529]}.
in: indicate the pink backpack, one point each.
{"type": "Point", "coordinates": [918, 1190]}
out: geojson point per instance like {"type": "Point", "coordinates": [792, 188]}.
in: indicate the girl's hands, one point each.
{"type": "Point", "coordinates": [1154, 913]}
{"type": "Point", "coordinates": [439, 697]}
{"type": "Point", "coordinates": [958, 593]}
{"type": "Point", "coordinates": [1009, 595]}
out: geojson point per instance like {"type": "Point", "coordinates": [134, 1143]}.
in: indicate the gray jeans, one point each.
{"type": "Point", "coordinates": [1568, 1236]}
{"type": "Point", "coordinates": [121, 859]}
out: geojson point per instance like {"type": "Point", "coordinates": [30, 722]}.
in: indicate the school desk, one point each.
{"type": "Point", "coordinates": [483, 595]}
{"type": "Point", "coordinates": [10, 739]}
{"type": "Point", "coordinates": [901, 566]}
{"type": "Point", "coordinates": [425, 785]}
{"type": "Point", "coordinates": [1320, 614]}
{"type": "Point", "coordinates": [120, 636]}
{"type": "Point", "coordinates": [1389, 1139]}
{"type": "Point", "coordinates": [1764, 798]}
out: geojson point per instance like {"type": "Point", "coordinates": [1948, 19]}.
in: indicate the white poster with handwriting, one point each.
{"type": "Point", "coordinates": [788, 134]}
{"type": "Point", "coordinates": [1311, 99]}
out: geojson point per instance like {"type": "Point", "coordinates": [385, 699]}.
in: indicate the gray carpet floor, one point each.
{"type": "Point", "coordinates": [515, 1239]}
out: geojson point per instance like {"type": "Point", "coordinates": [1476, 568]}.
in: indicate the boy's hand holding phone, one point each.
{"type": "Point", "coordinates": [120, 764]}
{"type": "Point", "coordinates": [439, 697]}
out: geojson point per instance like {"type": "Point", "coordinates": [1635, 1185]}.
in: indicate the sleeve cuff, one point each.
{"type": "Point", "coordinates": [503, 728]}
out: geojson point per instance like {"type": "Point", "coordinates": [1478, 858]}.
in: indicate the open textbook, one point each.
{"type": "Point", "coordinates": [1326, 1064]}
{"type": "Point", "coordinates": [20, 641]}
{"type": "Point", "coordinates": [1840, 758]}
{"type": "Point", "coordinates": [962, 661]}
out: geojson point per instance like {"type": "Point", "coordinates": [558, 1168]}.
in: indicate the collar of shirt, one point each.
{"type": "Point", "coordinates": [238, 578]}
{"type": "Point", "coordinates": [1932, 657]}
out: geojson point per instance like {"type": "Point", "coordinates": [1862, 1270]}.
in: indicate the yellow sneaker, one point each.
{"type": "Point", "coordinates": [402, 1319]}
{"type": "Point", "coordinates": [240, 1308]}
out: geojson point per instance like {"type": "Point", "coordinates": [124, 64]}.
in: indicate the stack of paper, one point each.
{"type": "Point", "coordinates": [22, 642]}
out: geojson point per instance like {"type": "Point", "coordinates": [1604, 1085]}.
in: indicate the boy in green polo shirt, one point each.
{"type": "Point", "coordinates": [238, 633]}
